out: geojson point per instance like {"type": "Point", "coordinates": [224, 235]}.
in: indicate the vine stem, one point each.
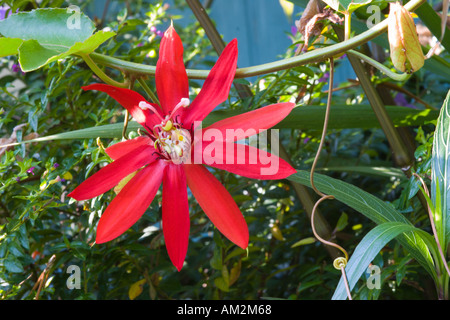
{"type": "Point", "coordinates": [99, 72]}
{"type": "Point", "coordinates": [339, 263]}
{"type": "Point", "coordinates": [347, 288]}
{"type": "Point", "coordinates": [433, 226]}
{"type": "Point", "coordinates": [379, 66]}
{"type": "Point", "coordinates": [324, 131]}
{"type": "Point", "coordinates": [127, 115]}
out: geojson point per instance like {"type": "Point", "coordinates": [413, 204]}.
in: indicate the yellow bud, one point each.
{"type": "Point", "coordinates": [67, 176]}
{"type": "Point", "coordinates": [276, 232]}
{"type": "Point", "coordinates": [406, 52]}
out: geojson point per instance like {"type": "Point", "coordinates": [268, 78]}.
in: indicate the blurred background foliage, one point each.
{"type": "Point", "coordinates": [42, 232]}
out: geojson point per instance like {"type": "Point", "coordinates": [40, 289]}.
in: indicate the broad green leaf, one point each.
{"type": "Point", "coordinates": [9, 46]}
{"type": "Point", "coordinates": [32, 55]}
{"type": "Point", "coordinates": [366, 251]}
{"type": "Point", "coordinates": [418, 245]}
{"type": "Point", "coordinates": [44, 35]}
{"type": "Point", "coordinates": [440, 173]}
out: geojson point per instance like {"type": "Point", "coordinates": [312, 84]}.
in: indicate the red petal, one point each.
{"type": "Point", "coordinates": [252, 122]}
{"type": "Point", "coordinates": [216, 88]}
{"type": "Point", "coordinates": [245, 160]}
{"type": "Point", "coordinates": [175, 214]}
{"type": "Point", "coordinates": [129, 99]}
{"type": "Point", "coordinates": [122, 148]}
{"type": "Point", "coordinates": [217, 204]}
{"type": "Point", "coordinates": [131, 202]}
{"type": "Point", "coordinates": [109, 176]}
{"type": "Point", "coordinates": [171, 79]}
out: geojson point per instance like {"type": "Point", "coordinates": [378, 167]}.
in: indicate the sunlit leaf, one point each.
{"type": "Point", "coordinates": [440, 173]}
{"type": "Point", "coordinates": [136, 289]}
{"type": "Point", "coordinates": [42, 36]}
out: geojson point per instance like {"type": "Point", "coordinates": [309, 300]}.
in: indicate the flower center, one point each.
{"type": "Point", "coordinates": [174, 143]}
{"type": "Point", "coordinates": [171, 141]}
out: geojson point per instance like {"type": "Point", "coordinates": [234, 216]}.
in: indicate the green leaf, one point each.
{"type": "Point", "coordinates": [364, 202]}
{"type": "Point", "coordinates": [366, 251]}
{"type": "Point", "coordinates": [303, 242]}
{"type": "Point", "coordinates": [9, 46]}
{"type": "Point", "coordinates": [342, 222]}
{"type": "Point", "coordinates": [13, 265]}
{"type": "Point", "coordinates": [440, 174]}
{"type": "Point", "coordinates": [369, 171]}
{"type": "Point", "coordinates": [45, 35]}
{"type": "Point", "coordinates": [353, 116]}
{"type": "Point", "coordinates": [221, 283]}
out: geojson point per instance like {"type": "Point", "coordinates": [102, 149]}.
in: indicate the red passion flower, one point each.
{"type": "Point", "coordinates": [174, 151]}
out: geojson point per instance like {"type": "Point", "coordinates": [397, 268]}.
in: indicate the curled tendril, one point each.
{"type": "Point", "coordinates": [339, 263]}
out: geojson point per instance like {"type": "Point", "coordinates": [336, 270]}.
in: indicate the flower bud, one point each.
{"type": "Point", "coordinates": [406, 52]}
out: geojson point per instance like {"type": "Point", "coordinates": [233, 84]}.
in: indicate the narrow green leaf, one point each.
{"type": "Point", "coordinates": [440, 173]}
{"type": "Point", "coordinates": [13, 265]}
{"type": "Point", "coordinates": [354, 116]}
{"type": "Point", "coordinates": [419, 245]}
{"type": "Point", "coordinates": [364, 202]}
{"type": "Point", "coordinates": [303, 242]}
{"type": "Point", "coordinates": [366, 251]}
{"type": "Point", "coordinates": [366, 170]}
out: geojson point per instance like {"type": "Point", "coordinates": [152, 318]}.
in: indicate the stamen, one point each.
{"type": "Point", "coordinates": [183, 103]}
{"type": "Point", "coordinates": [144, 105]}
